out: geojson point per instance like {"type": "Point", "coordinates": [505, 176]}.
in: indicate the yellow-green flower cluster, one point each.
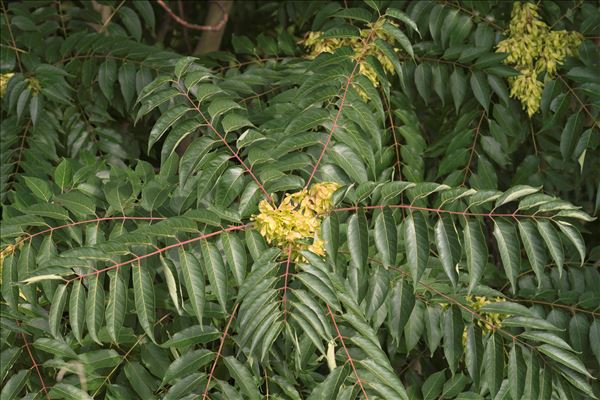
{"type": "Point", "coordinates": [296, 222]}
{"type": "Point", "coordinates": [490, 321]}
{"type": "Point", "coordinates": [534, 49]}
{"type": "Point", "coordinates": [317, 45]}
{"type": "Point", "coordinates": [4, 78]}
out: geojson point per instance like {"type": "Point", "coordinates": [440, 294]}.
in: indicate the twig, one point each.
{"type": "Point", "coordinates": [440, 210]}
{"type": "Point", "coordinates": [473, 145]}
{"type": "Point", "coordinates": [10, 33]}
{"type": "Point", "coordinates": [189, 25]}
{"type": "Point", "coordinates": [159, 251]}
{"type": "Point", "coordinates": [222, 138]}
{"type": "Point", "coordinates": [219, 351]}
{"type": "Point", "coordinates": [34, 363]}
{"type": "Point", "coordinates": [350, 359]}
{"type": "Point", "coordinates": [341, 106]}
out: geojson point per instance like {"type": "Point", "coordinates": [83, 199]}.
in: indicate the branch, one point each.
{"type": "Point", "coordinates": [189, 25]}
{"type": "Point", "coordinates": [219, 351]}
{"type": "Point", "coordinates": [222, 138]}
{"type": "Point", "coordinates": [34, 363]}
{"type": "Point", "coordinates": [473, 145]}
{"type": "Point", "coordinates": [159, 251]}
{"type": "Point", "coordinates": [88, 221]}
{"type": "Point", "coordinates": [350, 360]}
{"type": "Point", "coordinates": [439, 210]}
{"type": "Point", "coordinates": [341, 107]}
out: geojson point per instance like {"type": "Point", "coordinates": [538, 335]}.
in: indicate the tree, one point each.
{"type": "Point", "coordinates": [367, 200]}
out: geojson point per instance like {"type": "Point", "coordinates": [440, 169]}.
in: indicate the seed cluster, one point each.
{"type": "Point", "coordinates": [533, 49]}
{"type": "Point", "coordinates": [489, 321]}
{"type": "Point", "coordinates": [296, 222]}
{"type": "Point", "coordinates": [4, 78]}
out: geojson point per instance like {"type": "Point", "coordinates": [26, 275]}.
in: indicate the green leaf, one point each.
{"type": "Point", "coordinates": [77, 309]}
{"type": "Point", "coordinates": [347, 159]}
{"type": "Point", "coordinates": [530, 322]}
{"type": "Point", "coordinates": [358, 239]}
{"type": "Point", "coordinates": [132, 22]}
{"type": "Point", "coordinates": [510, 252]}
{"type": "Point", "coordinates": [481, 89]}
{"type": "Point", "coordinates": [235, 253]}
{"type": "Point", "coordinates": [570, 134]}
{"type": "Point", "coordinates": [454, 386]}
{"type": "Point", "coordinates": [564, 357]}
{"type": "Point", "coordinates": [574, 236]}
{"type": "Point", "coordinates": [477, 252]}
{"type": "Point", "coordinates": [453, 333]}
{"type": "Point", "coordinates": [330, 232]}
{"type": "Point", "coordinates": [107, 76]}
{"type": "Point", "coordinates": [494, 363]}
{"type": "Point", "coordinates": [578, 332]}
{"type": "Point", "coordinates": [400, 37]}
{"type": "Point", "coordinates": [474, 353]}
{"type": "Point", "coordinates": [15, 385]}
{"type": "Point", "coordinates": [217, 274]}
{"type": "Point", "coordinates": [547, 337]}
{"type": "Point", "coordinates": [517, 372]}
{"type": "Point", "coordinates": [386, 239]}
{"type": "Point", "coordinates": [127, 82]}
{"type": "Point", "coordinates": [507, 307]}
{"type": "Point", "coordinates": [531, 386]}
{"type": "Point", "coordinates": [188, 363]}
{"type": "Point", "coordinates": [402, 17]}
{"type": "Point", "coordinates": [242, 377]}
{"type": "Point", "coordinates": [552, 240]}
{"type": "Point", "coordinates": [165, 121]}
{"type": "Point", "coordinates": [432, 387]}
{"type": "Point", "coordinates": [195, 334]}
{"type": "Point", "coordinates": [416, 242]}
{"type": "Point", "coordinates": [221, 106]}
{"type": "Point", "coordinates": [515, 193]}
{"type": "Point", "coordinates": [378, 289]}
{"type": "Point", "coordinates": [94, 306]}
{"type": "Point", "coordinates": [533, 247]}
{"type": "Point", "coordinates": [415, 326]}
{"type": "Point", "coordinates": [458, 87]}
{"type": "Point", "coordinates": [594, 336]}
{"type": "Point", "coordinates": [56, 310]}
{"type": "Point", "coordinates": [116, 306]}
{"type": "Point", "coordinates": [40, 188]}
{"type": "Point", "coordinates": [400, 305]}
{"type": "Point", "coordinates": [63, 174]}
{"type": "Point", "coordinates": [234, 121]}
{"type": "Point", "coordinates": [194, 282]}
{"type": "Point", "coordinates": [446, 241]}
{"type": "Point", "coordinates": [143, 291]}
{"type": "Point", "coordinates": [53, 346]}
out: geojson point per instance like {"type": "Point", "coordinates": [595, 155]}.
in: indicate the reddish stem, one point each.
{"type": "Point", "coordinates": [196, 27]}
{"type": "Point", "coordinates": [35, 364]}
{"type": "Point", "coordinates": [472, 152]}
{"type": "Point", "coordinates": [350, 360]}
{"type": "Point", "coordinates": [341, 107]}
{"type": "Point", "coordinates": [89, 221]}
{"type": "Point", "coordinates": [214, 365]}
{"type": "Point", "coordinates": [438, 210]}
{"type": "Point", "coordinates": [233, 152]}
{"type": "Point", "coordinates": [161, 250]}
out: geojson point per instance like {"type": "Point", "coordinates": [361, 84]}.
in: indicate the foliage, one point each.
{"type": "Point", "coordinates": [459, 256]}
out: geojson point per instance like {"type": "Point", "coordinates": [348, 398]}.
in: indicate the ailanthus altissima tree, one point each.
{"type": "Point", "coordinates": [356, 200]}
